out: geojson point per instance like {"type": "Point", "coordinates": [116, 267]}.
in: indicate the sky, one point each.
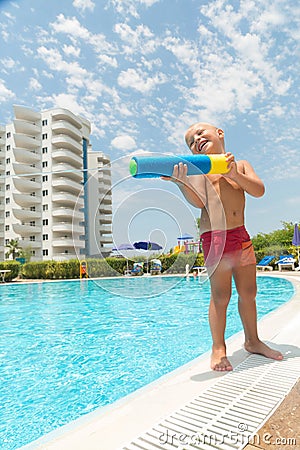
{"type": "Point", "coordinates": [142, 71]}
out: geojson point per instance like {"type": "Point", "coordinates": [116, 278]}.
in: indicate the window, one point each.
{"type": "Point", "coordinates": [32, 223]}
{"type": "Point", "coordinates": [45, 178]}
{"type": "Point", "coordinates": [45, 237]}
{"type": "Point", "coordinates": [45, 192]}
{"type": "Point", "coordinates": [7, 160]}
{"type": "Point", "coordinates": [44, 122]}
{"type": "Point", "coordinates": [32, 238]}
{"type": "Point", "coordinates": [44, 164]}
{"type": "Point", "coordinates": [45, 252]}
{"type": "Point", "coordinates": [44, 149]}
{"type": "Point", "coordinates": [45, 221]}
{"type": "Point", "coordinates": [32, 179]}
{"type": "Point", "coordinates": [6, 242]}
{"type": "Point", "coordinates": [44, 136]}
{"type": "Point", "coordinates": [6, 227]}
{"type": "Point", "coordinates": [7, 214]}
{"type": "Point", "coordinates": [7, 187]}
{"type": "Point", "coordinates": [32, 252]}
{"type": "Point", "coordinates": [8, 148]}
{"type": "Point", "coordinates": [32, 208]}
{"type": "Point", "coordinates": [7, 173]}
{"type": "Point", "coordinates": [8, 135]}
{"type": "Point", "coordinates": [7, 200]}
{"type": "Point", "coordinates": [45, 207]}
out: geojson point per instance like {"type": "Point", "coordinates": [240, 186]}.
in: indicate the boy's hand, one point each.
{"type": "Point", "coordinates": [232, 166]}
{"type": "Point", "coordinates": [179, 175]}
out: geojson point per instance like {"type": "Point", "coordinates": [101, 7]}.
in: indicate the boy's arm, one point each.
{"type": "Point", "coordinates": [192, 187]}
{"type": "Point", "coordinates": [244, 175]}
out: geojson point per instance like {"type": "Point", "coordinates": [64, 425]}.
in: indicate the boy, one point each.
{"type": "Point", "coordinates": [227, 247]}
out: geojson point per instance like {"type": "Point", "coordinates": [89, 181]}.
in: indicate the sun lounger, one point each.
{"type": "Point", "coordinates": [286, 262]}
{"type": "Point", "coordinates": [264, 263]}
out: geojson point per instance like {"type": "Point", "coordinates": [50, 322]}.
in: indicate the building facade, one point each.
{"type": "Point", "coordinates": [43, 188]}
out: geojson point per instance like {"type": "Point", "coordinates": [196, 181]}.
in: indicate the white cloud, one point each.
{"type": "Point", "coordinates": [82, 5]}
{"type": "Point", "coordinates": [124, 142]}
{"type": "Point", "coordinates": [70, 50]}
{"type": "Point", "coordinates": [34, 84]}
{"type": "Point", "coordinates": [138, 80]}
{"type": "Point", "coordinates": [73, 28]}
{"type": "Point", "coordinates": [140, 39]}
{"type": "Point", "coordinates": [130, 7]}
{"type": "Point", "coordinates": [5, 94]}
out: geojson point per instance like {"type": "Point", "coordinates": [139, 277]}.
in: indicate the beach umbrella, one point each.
{"type": "Point", "coordinates": [296, 239]}
{"type": "Point", "coordinates": [185, 237]}
{"type": "Point", "coordinates": [147, 245]}
{"type": "Point", "coordinates": [123, 248]}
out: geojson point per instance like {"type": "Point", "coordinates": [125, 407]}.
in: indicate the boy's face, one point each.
{"type": "Point", "coordinates": [203, 138]}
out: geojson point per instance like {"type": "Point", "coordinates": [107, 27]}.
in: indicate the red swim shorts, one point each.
{"type": "Point", "coordinates": [234, 244]}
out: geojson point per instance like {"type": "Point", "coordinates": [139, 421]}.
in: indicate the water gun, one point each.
{"type": "Point", "coordinates": [162, 166]}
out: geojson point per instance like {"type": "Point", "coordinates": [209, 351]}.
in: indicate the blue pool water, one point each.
{"type": "Point", "coordinates": [67, 348]}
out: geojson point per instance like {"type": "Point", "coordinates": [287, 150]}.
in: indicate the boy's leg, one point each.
{"type": "Point", "coordinates": [245, 281]}
{"type": "Point", "coordinates": [220, 281]}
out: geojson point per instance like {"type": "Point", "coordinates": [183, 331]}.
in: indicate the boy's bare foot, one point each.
{"type": "Point", "coordinates": [263, 349]}
{"type": "Point", "coordinates": [219, 361]}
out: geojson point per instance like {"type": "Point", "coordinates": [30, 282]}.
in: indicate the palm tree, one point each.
{"type": "Point", "coordinates": [14, 248]}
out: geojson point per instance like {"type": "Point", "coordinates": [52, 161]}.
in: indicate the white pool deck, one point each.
{"type": "Point", "coordinates": [115, 426]}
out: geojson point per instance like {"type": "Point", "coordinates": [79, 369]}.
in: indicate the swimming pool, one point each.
{"type": "Point", "coordinates": [68, 348]}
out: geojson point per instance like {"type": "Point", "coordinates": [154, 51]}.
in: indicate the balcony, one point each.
{"type": "Point", "coordinates": [65, 127]}
{"type": "Point", "coordinates": [25, 185]}
{"type": "Point", "coordinates": [65, 227]}
{"type": "Point", "coordinates": [106, 199]}
{"type": "Point", "coordinates": [64, 155]}
{"type": "Point", "coordinates": [22, 140]}
{"type": "Point", "coordinates": [25, 127]}
{"type": "Point", "coordinates": [64, 184]}
{"type": "Point", "coordinates": [30, 244]}
{"type": "Point", "coordinates": [26, 229]}
{"type": "Point", "coordinates": [105, 209]}
{"type": "Point", "coordinates": [25, 156]}
{"type": "Point", "coordinates": [64, 212]}
{"type": "Point", "coordinates": [66, 198]}
{"type": "Point", "coordinates": [23, 113]}
{"type": "Point", "coordinates": [65, 115]}
{"type": "Point", "coordinates": [105, 219]}
{"type": "Point", "coordinates": [63, 141]}
{"type": "Point", "coordinates": [25, 214]}
{"type": "Point", "coordinates": [26, 200]}
{"type": "Point", "coordinates": [105, 229]}
{"type": "Point", "coordinates": [106, 240]}
{"type": "Point", "coordinates": [67, 242]}
{"type": "Point", "coordinates": [25, 169]}
{"type": "Point", "coordinates": [67, 171]}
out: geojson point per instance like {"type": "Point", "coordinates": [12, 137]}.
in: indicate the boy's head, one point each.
{"type": "Point", "coordinates": [204, 138]}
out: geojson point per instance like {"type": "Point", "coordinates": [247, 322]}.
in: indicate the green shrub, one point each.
{"type": "Point", "coordinates": [14, 268]}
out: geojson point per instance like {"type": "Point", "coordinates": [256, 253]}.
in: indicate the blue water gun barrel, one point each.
{"type": "Point", "coordinates": [162, 166]}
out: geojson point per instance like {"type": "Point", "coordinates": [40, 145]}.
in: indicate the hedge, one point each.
{"type": "Point", "coordinates": [14, 268]}
{"type": "Point", "coordinates": [108, 267]}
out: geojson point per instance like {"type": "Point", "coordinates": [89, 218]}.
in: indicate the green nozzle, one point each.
{"type": "Point", "coordinates": [133, 167]}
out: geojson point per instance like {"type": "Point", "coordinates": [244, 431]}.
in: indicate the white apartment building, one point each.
{"type": "Point", "coordinates": [44, 192]}
{"type": "Point", "coordinates": [99, 205]}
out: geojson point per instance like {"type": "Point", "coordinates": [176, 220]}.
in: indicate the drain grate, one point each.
{"type": "Point", "coordinates": [227, 414]}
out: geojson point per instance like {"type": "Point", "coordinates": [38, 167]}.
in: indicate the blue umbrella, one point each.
{"type": "Point", "coordinates": [147, 245]}
{"type": "Point", "coordinates": [296, 238]}
{"type": "Point", "coordinates": [124, 247]}
{"type": "Point", "coordinates": [185, 237]}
